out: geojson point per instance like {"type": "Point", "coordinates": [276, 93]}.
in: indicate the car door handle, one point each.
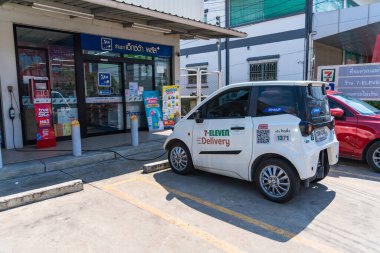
{"type": "Point", "coordinates": [237, 128]}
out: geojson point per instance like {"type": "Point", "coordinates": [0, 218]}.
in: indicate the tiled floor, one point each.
{"type": "Point", "coordinates": [64, 147]}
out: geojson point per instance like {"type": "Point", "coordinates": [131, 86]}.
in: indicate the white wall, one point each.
{"type": "Point", "coordinates": [14, 14]}
{"type": "Point", "coordinates": [192, 9]}
{"type": "Point", "coordinates": [290, 63]}
{"type": "Point", "coordinates": [334, 22]}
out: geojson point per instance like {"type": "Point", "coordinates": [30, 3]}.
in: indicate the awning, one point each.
{"type": "Point", "coordinates": [130, 15]}
{"type": "Point", "coordinates": [360, 40]}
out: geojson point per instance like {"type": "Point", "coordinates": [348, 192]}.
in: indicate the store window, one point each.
{"type": "Point", "coordinates": [104, 103]}
{"type": "Point", "coordinates": [45, 53]}
{"type": "Point", "coordinates": [265, 71]}
{"type": "Point", "coordinates": [162, 72]}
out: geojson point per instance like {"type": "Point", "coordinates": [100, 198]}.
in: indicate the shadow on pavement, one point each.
{"type": "Point", "coordinates": [28, 183]}
{"type": "Point", "coordinates": [354, 169]}
{"type": "Point", "coordinates": [244, 198]}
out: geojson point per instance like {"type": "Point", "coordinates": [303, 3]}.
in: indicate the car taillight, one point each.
{"type": "Point", "coordinates": [306, 128]}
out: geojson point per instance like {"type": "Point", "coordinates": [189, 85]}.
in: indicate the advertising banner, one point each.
{"type": "Point", "coordinates": [45, 129]}
{"type": "Point", "coordinates": [171, 107]}
{"type": "Point", "coordinates": [153, 110]}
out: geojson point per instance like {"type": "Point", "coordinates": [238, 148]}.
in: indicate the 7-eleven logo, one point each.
{"type": "Point", "coordinates": [328, 75]}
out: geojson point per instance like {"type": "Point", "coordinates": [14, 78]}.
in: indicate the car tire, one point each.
{"type": "Point", "coordinates": [277, 180]}
{"type": "Point", "coordinates": [373, 156]}
{"type": "Point", "coordinates": [180, 158]}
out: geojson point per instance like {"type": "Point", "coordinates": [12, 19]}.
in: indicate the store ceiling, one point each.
{"type": "Point", "coordinates": [360, 40]}
{"type": "Point", "coordinates": [130, 15]}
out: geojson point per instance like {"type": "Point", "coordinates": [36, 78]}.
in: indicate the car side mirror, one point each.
{"type": "Point", "coordinates": [337, 112]}
{"type": "Point", "coordinates": [197, 116]}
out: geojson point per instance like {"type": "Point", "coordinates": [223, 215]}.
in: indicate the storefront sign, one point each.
{"type": "Point", "coordinates": [99, 43]}
{"type": "Point", "coordinates": [153, 110]}
{"type": "Point", "coordinates": [104, 79]}
{"type": "Point", "coordinates": [360, 80]}
{"type": "Point", "coordinates": [171, 105]}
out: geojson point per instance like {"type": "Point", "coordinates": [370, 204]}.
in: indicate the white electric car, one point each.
{"type": "Point", "coordinates": [277, 134]}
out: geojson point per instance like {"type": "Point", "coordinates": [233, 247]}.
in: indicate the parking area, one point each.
{"type": "Point", "coordinates": [165, 212]}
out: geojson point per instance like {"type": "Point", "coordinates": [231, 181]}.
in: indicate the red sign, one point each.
{"type": "Point", "coordinates": [45, 129]}
{"type": "Point", "coordinates": [44, 117]}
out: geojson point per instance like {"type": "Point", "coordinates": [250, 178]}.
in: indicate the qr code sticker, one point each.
{"type": "Point", "coordinates": [263, 136]}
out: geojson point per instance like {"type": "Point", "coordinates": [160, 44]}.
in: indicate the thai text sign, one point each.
{"type": "Point", "coordinates": [99, 43]}
{"type": "Point", "coordinates": [360, 81]}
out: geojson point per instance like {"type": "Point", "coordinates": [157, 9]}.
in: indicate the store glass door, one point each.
{"type": "Point", "coordinates": [138, 78]}
{"type": "Point", "coordinates": [104, 101]}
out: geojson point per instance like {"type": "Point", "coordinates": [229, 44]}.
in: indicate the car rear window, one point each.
{"type": "Point", "coordinates": [317, 104]}
{"type": "Point", "coordinates": [274, 100]}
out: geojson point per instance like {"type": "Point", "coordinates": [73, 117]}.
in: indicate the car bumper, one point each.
{"type": "Point", "coordinates": [307, 161]}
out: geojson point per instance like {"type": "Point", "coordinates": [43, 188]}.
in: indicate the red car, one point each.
{"type": "Point", "coordinates": [357, 127]}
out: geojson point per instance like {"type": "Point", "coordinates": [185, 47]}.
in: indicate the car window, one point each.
{"type": "Point", "coordinates": [334, 104]}
{"type": "Point", "coordinates": [274, 100]}
{"type": "Point", "coordinates": [231, 104]}
{"type": "Point", "coordinates": [360, 106]}
{"type": "Point", "coordinates": [317, 106]}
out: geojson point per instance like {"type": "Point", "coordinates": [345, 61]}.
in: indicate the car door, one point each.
{"type": "Point", "coordinates": [345, 130]}
{"type": "Point", "coordinates": [222, 142]}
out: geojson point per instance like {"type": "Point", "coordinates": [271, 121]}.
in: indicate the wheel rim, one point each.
{"type": "Point", "coordinates": [274, 181]}
{"type": "Point", "coordinates": [376, 157]}
{"type": "Point", "coordinates": [178, 158]}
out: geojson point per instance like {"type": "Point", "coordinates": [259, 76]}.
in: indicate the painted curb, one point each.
{"type": "Point", "coordinates": [156, 166]}
{"type": "Point", "coordinates": [28, 197]}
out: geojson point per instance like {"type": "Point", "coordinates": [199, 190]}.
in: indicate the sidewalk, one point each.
{"type": "Point", "coordinates": [29, 161]}
{"type": "Point", "coordinates": [46, 174]}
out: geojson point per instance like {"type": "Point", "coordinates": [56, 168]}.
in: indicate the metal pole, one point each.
{"type": "Point", "coordinates": [308, 28]}
{"type": "Point", "coordinates": [227, 15]}
{"type": "Point", "coordinates": [134, 130]}
{"type": "Point", "coordinates": [199, 86]}
{"type": "Point", "coordinates": [219, 47]}
{"type": "Point", "coordinates": [75, 138]}
{"type": "Point", "coordinates": [1, 158]}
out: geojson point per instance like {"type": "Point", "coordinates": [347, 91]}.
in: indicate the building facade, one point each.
{"type": "Point", "coordinates": [91, 51]}
{"type": "Point", "coordinates": [276, 38]}
{"type": "Point", "coordinates": [284, 42]}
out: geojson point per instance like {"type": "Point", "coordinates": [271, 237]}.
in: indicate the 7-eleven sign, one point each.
{"type": "Point", "coordinates": [328, 75]}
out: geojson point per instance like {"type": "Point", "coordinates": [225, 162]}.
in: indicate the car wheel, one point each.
{"type": "Point", "coordinates": [277, 180]}
{"type": "Point", "coordinates": [373, 156]}
{"type": "Point", "coordinates": [180, 159]}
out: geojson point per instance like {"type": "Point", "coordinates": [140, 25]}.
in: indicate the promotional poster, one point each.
{"type": "Point", "coordinates": [171, 107]}
{"type": "Point", "coordinates": [45, 130]}
{"type": "Point", "coordinates": [153, 111]}
{"type": "Point", "coordinates": [40, 88]}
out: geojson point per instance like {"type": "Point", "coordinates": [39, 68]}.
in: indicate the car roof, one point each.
{"type": "Point", "coordinates": [279, 83]}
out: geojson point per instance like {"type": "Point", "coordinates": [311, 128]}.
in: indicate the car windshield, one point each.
{"type": "Point", "coordinates": [358, 105]}
{"type": "Point", "coordinates": [317, 104]}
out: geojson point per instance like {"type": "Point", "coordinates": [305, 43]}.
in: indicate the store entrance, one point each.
{"type": "Point", "coordinates": [113, 93]}
{"type": "Point", "coordinates": [104, 99]}
{"type": "Point", "coordinates": [138, 78]}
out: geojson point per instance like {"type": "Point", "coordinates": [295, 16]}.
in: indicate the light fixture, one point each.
{"type": "Point", "coordinates": [201, 37]}
{"type": "Point", "coordinates": [59, 10]}
{"type": "Point", "coordinates": [151, 28]}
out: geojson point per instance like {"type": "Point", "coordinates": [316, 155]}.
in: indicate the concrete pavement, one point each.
{"type": "Point", "coordinates": [122, 209]}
